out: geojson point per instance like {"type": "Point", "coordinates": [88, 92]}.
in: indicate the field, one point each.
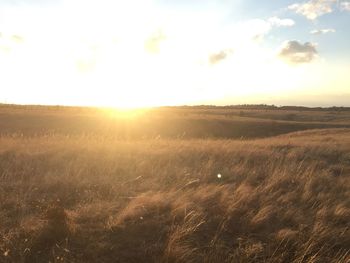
{"type": "Point", "coordinates": [174, 184]}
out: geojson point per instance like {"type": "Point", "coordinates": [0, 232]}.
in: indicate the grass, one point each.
{"type": "Point", "coordinates": [82, 197]}
{"type": "Point", "coordinates": [167, 122]}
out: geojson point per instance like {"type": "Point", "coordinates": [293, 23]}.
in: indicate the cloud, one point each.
{"type": "Point", "coordinates": [345, 6]}
{"type": "Point", "coordinates": [322, 31]}
{"type": "Point", "coordinates": [17, 38]}
{"type": "Point", "coordinates": [296, 53]}
{"type": "Point", "coordinates": [275, 21]}
{"type": "Point", "coordinates": [86, 58]}
{"type": "Point", "coordinates": [12, 38]}
{"type": "Point", "coordinates": [256, 29]}
{"type": "Point", "coordinates": [5, 49]}
{"type": "Point", "coordinates": [313, 8]}
{"type": "Point", "coordinates": [85, 65]}
{"type": "Point", "coordinates": [249, 32]}
{"type": "Point", "coordinates": [152, 44]}
{"type": "Point", "coordinates": [219, 56]}
{"type": "Point", "coordinates": [9, 43]}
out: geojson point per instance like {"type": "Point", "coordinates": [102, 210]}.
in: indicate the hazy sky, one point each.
{"type": "Point", "coordinates": [158, 52]}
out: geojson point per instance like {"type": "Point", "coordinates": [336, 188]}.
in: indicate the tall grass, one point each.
{"type": "Point", "coordinates": [170, 123]}
{"type": "Point", "coordinates": [96, 199]}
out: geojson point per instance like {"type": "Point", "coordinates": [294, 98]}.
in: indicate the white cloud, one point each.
{"type": "Point", "coordinates": [245, 34]}
{"type": "Point", "coordinates": [254, 28]}
{"type": "Point", "coordinates": [345, 6]}
{"type": "Point", "coordinates": [219, 56]}
{"type": "Point", "coordinates": [297, 53]}
{"type": "Point", "coordinates": [322, 31]}
{"type": "Point", "coordinates": [10, 42]}
{"type": "Point", "coordinates": [153, 43]}
{"type": "Point", "coordinates": [286, 22]}
{"type": "Point", "coordinates": [313, 8]}
{"type": "Point", "coordinates": [258, 28]}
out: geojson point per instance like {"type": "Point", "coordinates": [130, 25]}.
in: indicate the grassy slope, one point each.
{"type": "Point", "coordinates": [178, 122]}
{"type": "Point", "coordinates": [95, 199]}
{"type": "Point", "coordinates": [85, 185]}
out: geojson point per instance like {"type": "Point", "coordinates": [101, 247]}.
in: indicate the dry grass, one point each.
{"type": "Point", "coordinates": [97, 199]}
{"type": "Point", "coordinates": [170, 123]}
{"type": "Point", "coordinates": [278, 200]}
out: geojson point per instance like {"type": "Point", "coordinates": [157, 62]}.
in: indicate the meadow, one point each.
{"type": "Point", "coordinates": [174, 184]}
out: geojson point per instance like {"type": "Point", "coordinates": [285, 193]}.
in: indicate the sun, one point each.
{"type": "Point", "coordinates": [126, 113]}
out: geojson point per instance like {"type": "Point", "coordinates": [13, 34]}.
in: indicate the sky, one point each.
{"type": "Point", "coordinates": [166, 52]}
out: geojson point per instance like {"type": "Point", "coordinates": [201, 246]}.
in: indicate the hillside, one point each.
{"type": "Point", "coordinates": [165, 122]}
{"type": "Point", "coordinates": [70, 193]}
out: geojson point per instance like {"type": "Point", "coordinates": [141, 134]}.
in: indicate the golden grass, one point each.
{"type": "Point", "coordinates": [97, 199]}
{"type": "Point", "coordinates": [167, 122]}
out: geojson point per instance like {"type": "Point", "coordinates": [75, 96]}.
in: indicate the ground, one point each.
{"type": "Point", "coordinates": [186, 184]}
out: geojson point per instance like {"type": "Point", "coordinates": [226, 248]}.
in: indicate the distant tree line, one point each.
{"type": "Point", "coordinates": [262, 107]}
{"type": "Point", "coordinates": [239, 106]}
